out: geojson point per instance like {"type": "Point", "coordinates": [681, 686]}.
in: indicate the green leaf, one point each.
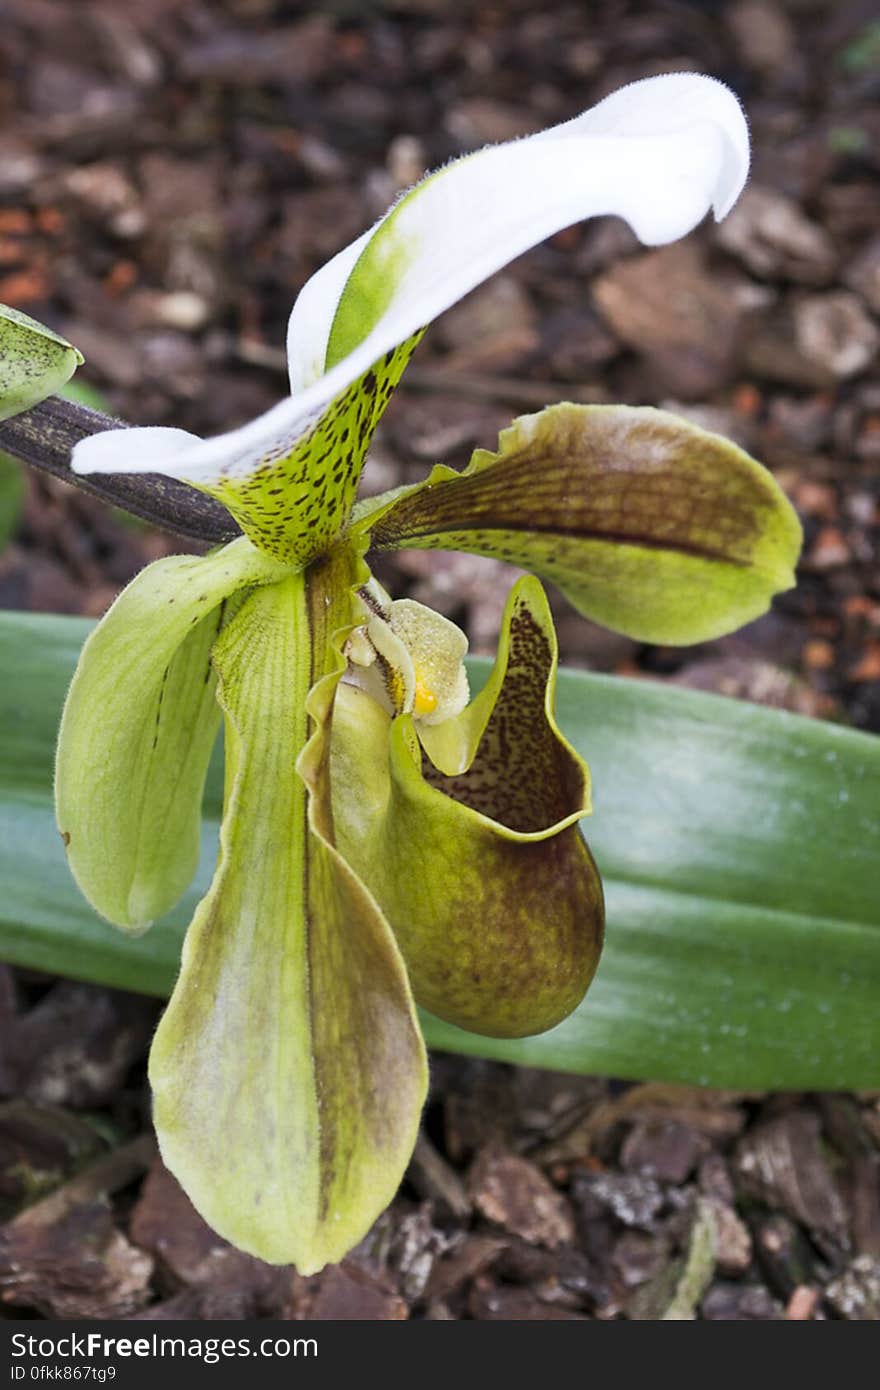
{"type": "Point", "coordinates": [648, 524]}
{"type": "Point", "coordinates": [12, 483]}
{"type": "Point", "coordinates": [739, 848]}
{"type": "Point", "coordinates": [288, 1071]}
{"type": "Point", "coordinates": [34, 361]}
{"type": "Point", "coordinates": [84, 393]}
{"type": "Point", "coordinates": [139, 724]}
{"type": "Point", "coordinates": [12, 494]}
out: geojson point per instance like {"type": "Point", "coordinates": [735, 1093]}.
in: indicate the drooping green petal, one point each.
{"type": "Point", "coordinates": [137, 731]}
{"type": "Point", "coordinates": [648, 524]}
{"type": "Point", "coordinates": [478, 864]}
{"type": "Point", "coordinates": [34, 361]}
{"type": "Point", "coordinates": [288, 1071]}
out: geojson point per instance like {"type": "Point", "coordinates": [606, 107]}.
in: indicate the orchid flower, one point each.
{"type": "Point", "coordinates": [383, 840]}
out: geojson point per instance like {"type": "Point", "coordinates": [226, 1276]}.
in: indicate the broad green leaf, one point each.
{"type": "Point", "coordinates": [478, 863]}
{"type": "Point", "coordinates": [288, 1072]}
{"type": "Point", "coordinates": [648, 524]}
{"type": "Point", "coordinates": [738, 845]}
{"type": "Point", "coordinates": [12, 494]}
{"type": "Point", "coordinates": [34, 361]}
{"type": "Point", "coordinates": [139, 724]}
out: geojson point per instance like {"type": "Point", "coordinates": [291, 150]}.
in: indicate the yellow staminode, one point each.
{"type": "Point", "coordinates": [424, 700]}
{"type": "Point", "coordinates": [408, 658]}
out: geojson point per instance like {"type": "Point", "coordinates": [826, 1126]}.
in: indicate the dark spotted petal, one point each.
{"type": "Point", "coordinates": [647, 523]}
{"type": "Point", "coordinates": [289, 478]}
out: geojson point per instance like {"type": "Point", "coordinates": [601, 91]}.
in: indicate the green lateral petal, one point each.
{"type": "Point", "coordinates": [480, 867]}
{"type": "Point", "coordinates": [648, 524]}
{"type": "Point", "coordinates": [137, 732]}
{"type": "Point", "coordinates": [34, 361]}
{"type": "Point", "coordinates": [288, 1071]}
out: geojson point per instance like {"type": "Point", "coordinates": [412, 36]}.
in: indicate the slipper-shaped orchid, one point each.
{"type": "Point", "coordinates": [382, 839]}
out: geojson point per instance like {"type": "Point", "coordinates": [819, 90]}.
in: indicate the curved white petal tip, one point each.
{"type": "Point", "coordinates": [679, 102]}
{"type": "Point", "coordinates": [143, 450]}
{"type": "Point", "coordinates": [660, 153]}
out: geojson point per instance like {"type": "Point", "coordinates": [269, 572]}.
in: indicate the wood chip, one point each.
{"type": "Point", "coordinates": [513, 1193]}
{"type": "Point", "coordinates": [345, 1293]}
{"type": "Point", "coordinates": [475, 1254]}
{"type": "Point", "coordinates": [782, 1162]}
{"type": "Point", "coordinates": [166, 1225]}
{"type": "Point", "coordinates": [803, 1304]}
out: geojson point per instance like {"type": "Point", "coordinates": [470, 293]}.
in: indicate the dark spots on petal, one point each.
{"type": "Point", "coordinates": [159, 700]}
{"type": "Point", "coordinates": [323, 465]}
{"type": "Point", "coordinates": [646, 486]}
{"type": "Point", "coordinates": [521, 775]}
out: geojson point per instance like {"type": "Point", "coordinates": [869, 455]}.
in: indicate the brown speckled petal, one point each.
{"type": "Point", "coordinates": [299, 495]}
{"type": "Point", "coordinates": [648, 524]}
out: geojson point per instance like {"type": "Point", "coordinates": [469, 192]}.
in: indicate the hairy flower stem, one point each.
{"type": "Point", "coordinates": [44, 436]}
{"type": "Point", "coordinates": [329, 582]}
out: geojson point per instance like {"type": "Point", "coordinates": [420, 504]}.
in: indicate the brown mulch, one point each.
{"type": "Point", "coordinates": [531, 1195]}
{"type": "Point", "coordinates": [170, 174]}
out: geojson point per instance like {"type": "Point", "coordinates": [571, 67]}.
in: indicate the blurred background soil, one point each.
{"type": "Point", "coordinates": [170, 175]}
